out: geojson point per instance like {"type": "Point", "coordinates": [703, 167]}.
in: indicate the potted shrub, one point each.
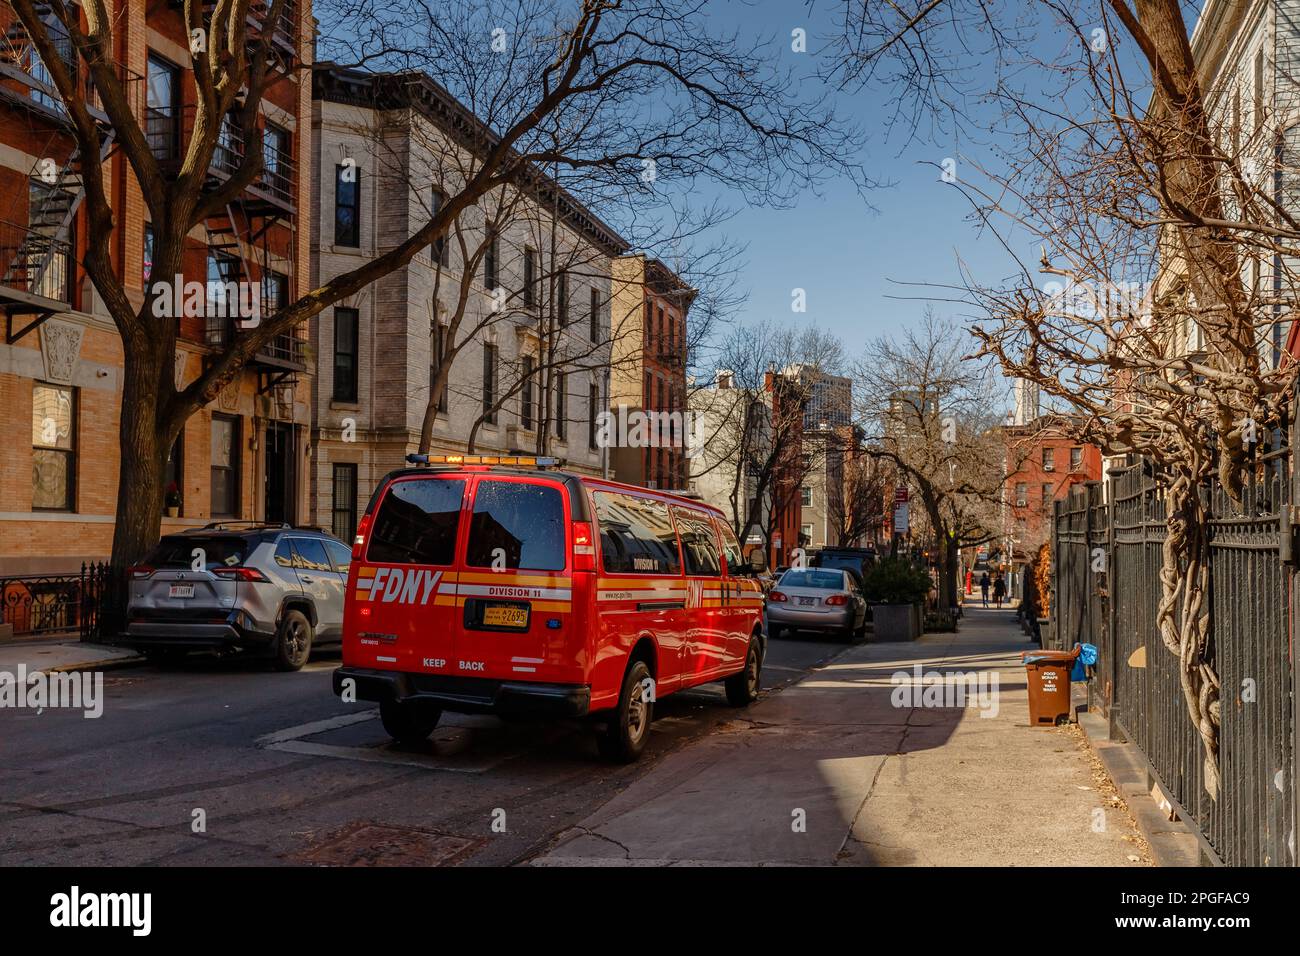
{"type": "Point", "coordinates": [896, 588]}
{"type": "Point", "coordinates": [173, 500]}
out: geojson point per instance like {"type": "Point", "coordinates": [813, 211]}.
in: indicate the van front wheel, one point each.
{"type": "Point", "coordinates": [742, 688]}
{"type": "Point", "coordinates": [625, 736]}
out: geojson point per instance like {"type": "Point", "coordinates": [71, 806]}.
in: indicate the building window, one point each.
{"type": "Point", "coordinates": [275, 292]}
{"type": "Point", "coordinates": [1022, 494]}
{"type": "Point", "coordinates": [345, 501]}
{"type": "Point", "coordinates": [54, 447]}
{"type": "Point", "coordinates": [1076, 458]}
{"type": "Point", "coordinates": [148, 251]}
{"type": "Point", "coordinates": [347, 206]}
{"type": "Point", "coordinates": [561, 405]}
{"type": "Point", "coordinates": [276, 162]}
{"type": "Point", "coordinates": [530, 278]}
{"type": "Point", "coordinates": [489, 383]}
{"type": "Point", "coordinates": [491, 262]}
{"type": "Point", "coordinates": [595, 315]}
{"type": "Point", "coordinates": [1259, 89]}
{"type": "Point", "coordinates": [225, 466]}
{"type": "Point", "coordinates": [562, 297]}
{"type": "Point", "coordinates": [1047, 494]}
{"type": "Point", "coordinates": [526, 393]}
{"type": "Point", "coordinates": [1049, 459]}
{"type": "Point", "coordinates": [439, 245]}
{"type": "Point", "coordinates": [174, 474]}
{"type": "Point", "coordinates": [593, 410]}
{"type": "Point", "coordinates": [437, 354]}
{"type": "Point", "coordinates": [162, 108]}
{"type": "Point", "coordinates": [805, 496]}
{"type": "Point", "coordinates": [346, 339]}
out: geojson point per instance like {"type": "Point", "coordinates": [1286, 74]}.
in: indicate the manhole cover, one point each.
{"type": "Point", "coordinates": [376, 844]}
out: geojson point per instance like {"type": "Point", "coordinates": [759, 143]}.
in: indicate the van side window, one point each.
{"type": "Point", "coordinates": [636, 535]}
{"type": "Point", "coordinates": [417, 522]}
{"type": "Point", "coordinates": [731, 549]}
{"type": "Point", "coordinates": [517, 525]}
{"type": "Point", "coordinates": [699, 546]}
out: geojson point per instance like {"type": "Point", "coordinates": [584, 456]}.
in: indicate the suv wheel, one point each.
{"type": "Point", "coordinates": [410, 721]}
{"type": "Point", "coordinates": [293, 641]}
{"type": "Point", "coordinates": [742, 687]}
{"type": "Point", "coordinates": [625, 736]}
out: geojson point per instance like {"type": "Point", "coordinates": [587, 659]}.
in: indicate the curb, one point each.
{"type": "Point", "coordinates": [1172, 843]}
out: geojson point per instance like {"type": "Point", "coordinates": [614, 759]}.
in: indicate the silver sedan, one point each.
{"type": "Point", "coordinates": [816, 599]}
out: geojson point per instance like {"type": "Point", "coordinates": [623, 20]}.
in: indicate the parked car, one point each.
{"type": "Point", "coordinates": [817, 599]}
{"type": "Point", "coordinates": [857, 560]}
{"type": "Point", "coordinates": [239, 586]}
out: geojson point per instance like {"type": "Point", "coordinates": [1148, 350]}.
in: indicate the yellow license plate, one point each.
{"type": "Point", "coordinates": [505, 616]}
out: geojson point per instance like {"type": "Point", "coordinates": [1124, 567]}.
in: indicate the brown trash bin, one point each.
{"type": "Point", "coordinates": [1047, 674]}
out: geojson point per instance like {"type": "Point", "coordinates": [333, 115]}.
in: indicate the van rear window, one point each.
{"type": "Point", "coordinates": [517, 524]}
{"type": "Point", "coordinates": [417, 522]}
{"type": "Point", "coordinates": [636, 535]}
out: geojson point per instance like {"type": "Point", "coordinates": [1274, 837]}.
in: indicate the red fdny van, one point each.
{"type": "Point", "coordinates": [493, 585]}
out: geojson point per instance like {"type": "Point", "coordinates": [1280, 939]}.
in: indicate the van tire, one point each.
{"type": "Point", "coordinates": [292, 641]}
{"type": "Point", "coordinates": [625, 735]}
{"type": "Point", "coordinates": [742, 687]}
{"type": "Point", "coordinates": [410, 721]}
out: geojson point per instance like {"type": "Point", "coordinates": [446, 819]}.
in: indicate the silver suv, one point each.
{"type": "Point", "coordinates": [238, 586]}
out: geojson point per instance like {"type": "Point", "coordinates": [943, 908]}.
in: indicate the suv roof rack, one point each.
{"type": "Point", "coordinates": [223, 525]}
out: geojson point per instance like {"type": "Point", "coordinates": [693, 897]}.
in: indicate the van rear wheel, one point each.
{"type": "Point", "coordinates": [628, 729]}
{"type": "Point", "coordinates": [742, 688]}
{"type": "Point", "coordinates": [409, 721]}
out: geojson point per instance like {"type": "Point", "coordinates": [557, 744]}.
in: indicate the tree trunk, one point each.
{"type": "Point", "coordinates": [143, 456]}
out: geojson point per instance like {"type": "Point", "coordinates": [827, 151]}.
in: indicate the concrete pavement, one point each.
{"type": "Point", "coordinates": [832, 772]}
{"type": "Point", "coordinates": [69, 655]}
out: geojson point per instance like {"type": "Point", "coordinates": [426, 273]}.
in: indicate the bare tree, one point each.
{"type": "Point", "coordinates": [857, 507]}
{"type": "Point", "coordinates": [548, 84]}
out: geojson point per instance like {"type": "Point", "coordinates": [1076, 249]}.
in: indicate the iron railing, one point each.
{"type": "Point", "coordinates": [168, 128]}
{"type": "Point", "coordinates": [23, 264]}
{"type": "Point", "coordinates": [43, 604]}
{"type": "Point", "coordinates": [1107, 555]}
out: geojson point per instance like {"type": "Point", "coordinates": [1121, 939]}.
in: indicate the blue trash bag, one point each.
{"type": "Point", "coordinates": [1087, 658]}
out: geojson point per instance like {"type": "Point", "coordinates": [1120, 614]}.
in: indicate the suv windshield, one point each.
{"type": "Point", "coordinates": [812, 578]}
{"type": "Point", "coordinates": [177, 551]}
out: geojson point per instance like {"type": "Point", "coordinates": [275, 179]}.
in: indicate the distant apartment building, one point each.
{"type": "Point", "coordinates": [827, 441]}
{"type": "Point", "coordinates": [61, 360]}
{"type": "Point", "coordinates": [648, 309]}
{"type": "Point", "coordinates": [1043, 464]}
{"type": "Point", "coordinates": [523, 334]}
{"type": "Point", "coordinates": [717, 473]}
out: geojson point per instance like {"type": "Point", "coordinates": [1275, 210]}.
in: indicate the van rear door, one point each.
{"type": "Point", "coordinates": [401, 612]}
{"type": "Point", "coordinates": [515, 590]}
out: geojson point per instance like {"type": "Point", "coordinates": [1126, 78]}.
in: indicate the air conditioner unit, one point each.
{"type": "Point", "coordinates": [1049, 467]}
{"type": "Point", "coordinates": [1022, 503]}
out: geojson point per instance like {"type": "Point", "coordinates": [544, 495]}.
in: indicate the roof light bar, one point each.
{"type": "Point", "coordinates": [526, 461]}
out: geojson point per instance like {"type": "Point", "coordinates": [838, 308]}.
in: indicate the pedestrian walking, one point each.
{"type": "Point", "coordinates": [984, 587]}
{"type": "Point", "coordinates": [999, 590]}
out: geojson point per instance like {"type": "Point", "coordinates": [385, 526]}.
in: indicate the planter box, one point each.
{"type": "Point", "coordinates": [896, 622]}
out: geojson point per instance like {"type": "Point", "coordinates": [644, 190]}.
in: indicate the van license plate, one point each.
{"type": "Point", "coordinates": [181, 591]}
{"type": "Point", "coordinates": [505, 616]}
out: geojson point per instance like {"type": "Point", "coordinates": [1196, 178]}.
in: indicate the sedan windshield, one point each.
{"type": "Point", "coordinates": [813, 578]}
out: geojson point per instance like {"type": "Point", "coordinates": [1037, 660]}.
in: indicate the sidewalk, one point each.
{"type": "Point", "coordinates": [873, 783]}
{"type": "Point", "coordinates": [69, 655]}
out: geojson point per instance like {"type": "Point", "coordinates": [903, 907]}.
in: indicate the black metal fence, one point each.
{"type": "Point", "coordinates": [1106, 561]}
{"type": "Point", "coordinates": [45, 604]}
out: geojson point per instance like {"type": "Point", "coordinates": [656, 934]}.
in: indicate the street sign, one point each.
{"type": "Point", "coordinates": [900, 518]}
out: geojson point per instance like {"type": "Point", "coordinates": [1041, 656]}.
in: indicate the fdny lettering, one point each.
{"type": "Point", "coordinates": [496, 591]}
{"type": "Point", "coordinates": [403, 586]}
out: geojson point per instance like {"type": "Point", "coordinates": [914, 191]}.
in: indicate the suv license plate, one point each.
{"type": "Point", "coordinates": [505, 616]}
{"type": "Point", "coordinates": [181, 591]}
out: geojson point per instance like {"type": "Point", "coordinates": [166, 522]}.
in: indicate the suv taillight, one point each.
{"type": "Point", "coordinates": [241, 574]}
{"type": "Point", "coordinates": [359, 542]}
{"type": "Point", "coordinates": [140, 571]}
{"type": "Point", "coordinates": [777, 597]}
{"type": "Point", "coordinates": [584, 547]}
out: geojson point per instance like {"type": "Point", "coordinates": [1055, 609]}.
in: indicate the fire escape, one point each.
{"type": "Point", "coordinates": [243, 242]}
{"type": "Point", "coordinates": [36, 256]}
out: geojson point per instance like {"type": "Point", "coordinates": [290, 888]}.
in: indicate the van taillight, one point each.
{"type": "Point", "coordinates": [584, 547]}
{"type": "Point", "coordinates": [359, 542]}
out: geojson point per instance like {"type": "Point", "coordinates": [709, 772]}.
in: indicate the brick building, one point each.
{"type": "Point", "coordinates": [61, 360]}
{"type": "Point", "coordinates": [648, 365]}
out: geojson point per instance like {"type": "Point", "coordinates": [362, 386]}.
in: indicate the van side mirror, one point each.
{"type": "Point", "coordinates": [757, 561]}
